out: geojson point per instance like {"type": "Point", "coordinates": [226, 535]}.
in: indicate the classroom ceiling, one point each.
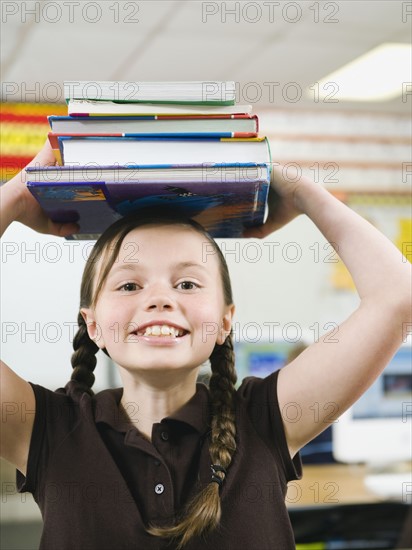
{"type": "Point", "coordinates": [274, 51]}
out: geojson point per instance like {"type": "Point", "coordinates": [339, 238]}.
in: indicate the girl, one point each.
{"type": "Point", "coordinates": [164, 462]}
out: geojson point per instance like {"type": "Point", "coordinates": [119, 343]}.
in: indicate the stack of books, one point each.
{"type": "Point", "coordinates": [183, 146]}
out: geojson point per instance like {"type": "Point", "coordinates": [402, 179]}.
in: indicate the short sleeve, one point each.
{"type": "Point", "coordinates": [55, 416]}
{"type": "Point", "coordinates": [28, 483]}
{"type": "Point", "coordinates": [260, 398]}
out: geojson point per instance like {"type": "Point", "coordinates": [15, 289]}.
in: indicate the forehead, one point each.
{"type": "Point", "coordinates": [168, 244]}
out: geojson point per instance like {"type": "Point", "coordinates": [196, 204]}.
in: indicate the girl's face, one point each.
{"type": "Point", "coordinates": [161, 305]}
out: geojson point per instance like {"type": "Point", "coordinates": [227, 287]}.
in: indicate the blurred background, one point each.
{"type": "Point", "coordinates": [331, 84]}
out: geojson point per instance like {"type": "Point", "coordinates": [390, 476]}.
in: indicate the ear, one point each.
{"type": "Point", "coordinates": [226, 324]}
{"type": "Point", "coordinates": [93, 329]}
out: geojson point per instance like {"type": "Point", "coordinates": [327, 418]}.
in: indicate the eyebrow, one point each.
{"type": "Point", "coordinates": [131, 266]}
{"type": "Point", "coordinates": [182, 265]}
{"type": "Point", "coordinates": [123, 267]}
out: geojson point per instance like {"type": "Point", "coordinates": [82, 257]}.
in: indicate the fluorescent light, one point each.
{"type": "Point", "coordinates": [380, 74]}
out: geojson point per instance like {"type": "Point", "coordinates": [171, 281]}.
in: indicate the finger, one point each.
{"type": "Point", "coordinates": [62, 229]}
{"type": "Point", "coordinates": [46, 226]}
{"type": "Point", "coordinates": [45, 157]}
{"type": "Point", "coordinates": [256, 232]}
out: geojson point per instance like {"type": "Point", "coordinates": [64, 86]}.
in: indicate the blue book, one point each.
{"type": "Point", "coordinates": [224, 208]}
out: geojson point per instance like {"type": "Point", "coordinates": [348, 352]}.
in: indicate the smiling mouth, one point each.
{"type": "Point", "coordinates": [162, 331]}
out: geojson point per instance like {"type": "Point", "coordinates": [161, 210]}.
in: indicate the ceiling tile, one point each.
{"type": "Point", "coordinates": [177, 56]}
{"type": "Point", "coordinates": [252, 43]}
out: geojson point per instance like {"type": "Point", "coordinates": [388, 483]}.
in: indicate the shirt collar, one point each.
{"type": "Point", "coordinates": [195, 413]}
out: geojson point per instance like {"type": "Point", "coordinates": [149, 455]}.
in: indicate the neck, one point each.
{"type": "Point", "coordinates": [146, 400]}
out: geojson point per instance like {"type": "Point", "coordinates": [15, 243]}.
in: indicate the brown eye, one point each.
{"type": "Point", "coordinates": [129, 287]}
{"type": "Point", "coordinates": [188, 285]}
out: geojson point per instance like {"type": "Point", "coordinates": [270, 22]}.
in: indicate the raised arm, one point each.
{"type": "Point", "coordinates": [16, 395]}
{"type": "Point", "coordinates": [334, 374]}
{"type": "Point", "coordinates": [18, 204]}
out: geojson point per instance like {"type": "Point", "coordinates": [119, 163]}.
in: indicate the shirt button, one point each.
{"type": "Point", "coordinates": [164, 436]}
{"type": "Point", "coordinates": [159, 488]}
{"type": "Point", "coordinates": [156, 462]}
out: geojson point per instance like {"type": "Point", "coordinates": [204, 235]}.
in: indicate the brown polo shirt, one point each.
{"type": "Point", "coordinates": [98, 480]}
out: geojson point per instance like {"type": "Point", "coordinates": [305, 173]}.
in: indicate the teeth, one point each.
{"type": "Point", "coordinates": [164, 330]}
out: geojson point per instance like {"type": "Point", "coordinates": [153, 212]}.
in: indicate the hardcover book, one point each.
{"type": "Point", "coordinates": [196, 173]}
{"type": "Point", "coordinates": [90, 108]}
{"type": "Point", "coordinates": [196, 92]}
{"type": "Point", "coordinates": [104, 150]}
{"type": "Point", "coordinates": [224, 209]}
{"type": "Point", "coordinates": [241, 125]}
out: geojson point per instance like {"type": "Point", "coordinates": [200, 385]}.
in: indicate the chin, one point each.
{"type": "Point", "coordinates": [157, 366]}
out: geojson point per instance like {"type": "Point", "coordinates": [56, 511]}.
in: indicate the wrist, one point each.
{"type": "Point", "coordinates": [309, 194]}
{"type": "Point", "coordinates": [12, 197]}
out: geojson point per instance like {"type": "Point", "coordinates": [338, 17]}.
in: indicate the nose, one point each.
{"type": "Point", "coordinates": [159, 298]}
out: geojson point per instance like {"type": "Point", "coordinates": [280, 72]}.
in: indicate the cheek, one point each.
{"type": "Point", "coordinates": [112, 323]}
{"type": "Point", "coordinates": [208, 323]}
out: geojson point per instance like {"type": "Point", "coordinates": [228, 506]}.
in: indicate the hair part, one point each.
{"type": "Point", "coordinates": [203, 513]}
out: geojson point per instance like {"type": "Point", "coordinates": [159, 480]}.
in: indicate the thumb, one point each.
{"type": "Point", "coordinates": [45, 157]}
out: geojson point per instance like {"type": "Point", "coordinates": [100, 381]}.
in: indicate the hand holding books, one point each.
{"type": "Point", "coordinates": [20, 205]}
{"type": "Point", "coordinates": [283, 201]}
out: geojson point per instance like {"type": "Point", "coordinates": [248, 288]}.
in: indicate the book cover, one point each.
{"type": "Point", "coordinates": [83, 150]}
{"type": "Point", "coordinates": [90, 108]}
{"type": "Point", "coordinates": [190, 92]}
{"type": "Point", "coordinates": [224, 209]}
{"type": "Point", "coordinates": [236, 125]}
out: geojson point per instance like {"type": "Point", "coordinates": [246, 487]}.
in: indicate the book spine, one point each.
{"type": "Point", "coordinates": [165, 135]}
{"type": "Point", "coordinates": [157, 137]}
{"type": "Point", "coordinates": [204, 117]}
